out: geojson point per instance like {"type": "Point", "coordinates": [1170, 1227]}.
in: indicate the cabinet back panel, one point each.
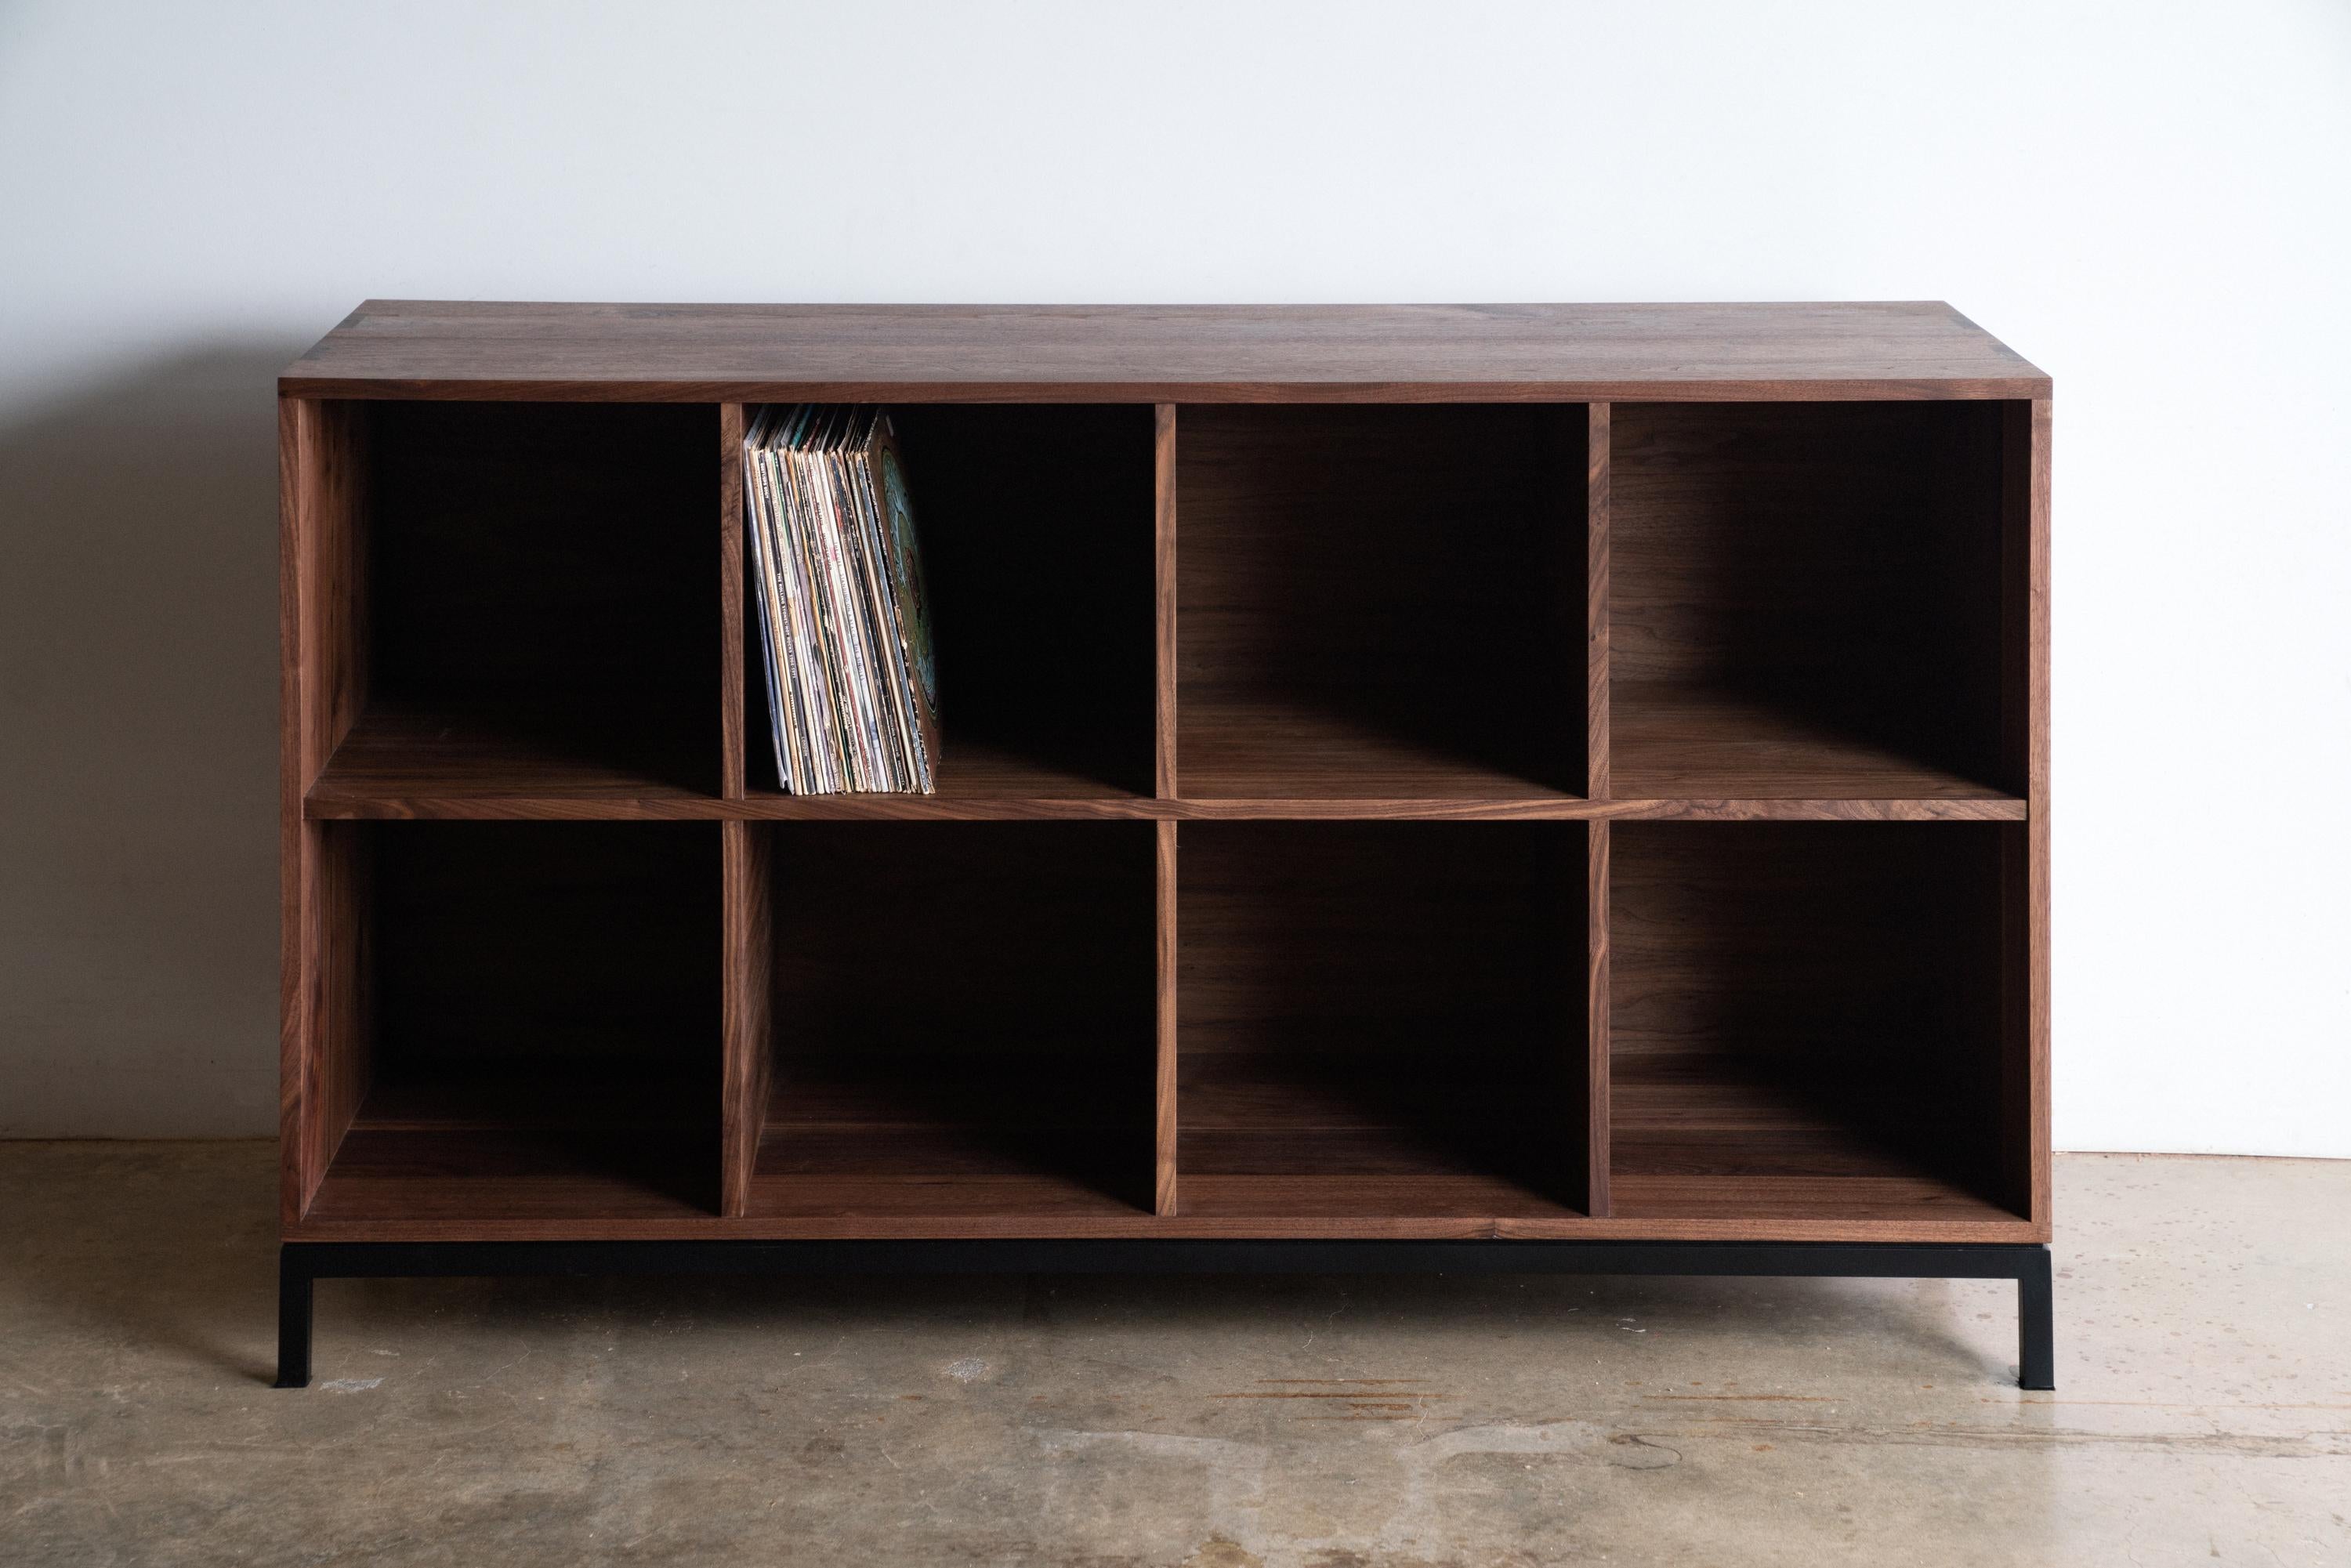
{"type": "Point", "coordinates": [969, 940]}
{"type": "Point", "coordinates": [552, 568]}
{"type": "Point", "coordinates": [1448, 944]}
{"type": "Point", "coordinates": [1841, 561]}
{"type": "Point", "coordinates": [1395, 999]}
{"type": "Point", "coordinates": [560, 949]}
{"type": "Point", "coordinates": [1838, 982]}
{"type": "Point", "coordinates": [1411, 569]}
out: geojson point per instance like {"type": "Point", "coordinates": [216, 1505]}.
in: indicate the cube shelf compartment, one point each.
{"type": "Point", "coordinates": [529, 588]}
{"type": "Point", "coordinates": [1539, 772]}
{"type": "Point", "coordinates": [1805, 1018]}
{"type": "Point", "coordinates": [1036, 534]}
{"type": "Point", "coordinates": [1382, 1014]}
{"type": "Point", "coordinates": [1805, 600]}
{"type": "Point", "coordinates": [1372, 601]}
{"type": "Point", "coordinates": [527, 1021]}
{"type": "Point", "coordinates": [959, 1018]}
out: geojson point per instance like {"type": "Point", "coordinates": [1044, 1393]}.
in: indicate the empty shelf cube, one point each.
{"type": "Point", "coordinates": [530, 603]}
{"type": "Point", "coordinates": [1815, 600]}
{"type": "Point", "coordinates": [961, 1021]}
{"type": "Point", "coordinates": [1380, 1018]}
{"type": "Point", "coordinates": [1380, 602]}
{"type": "Point", "coordinates": [522, 1023]}
{"type": "Point", "coordinates": [1816, 1022]}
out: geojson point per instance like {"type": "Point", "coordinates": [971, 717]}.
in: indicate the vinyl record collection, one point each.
{"type": "Point", "coordinates": [852, 683]}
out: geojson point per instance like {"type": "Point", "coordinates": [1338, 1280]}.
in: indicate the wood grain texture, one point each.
{"type": "Point", "coordinates": [1796, 1005]}
{"type": "Point", "coordinates": [323, 526]}
{"type": "Point", "coordinates": [1371, 353]}
{"type": "Point", "coordinates": [399, 1203]}
{"type": "Point", "coordinates": [407, 759]}
{"type": "Point", "coordinates": [1372, 1201]}
{"type": "Point", "coordinates": [739, 676]}
{"type": "Point", "coordinates": [1165, 1123]}
{"type": "Point", "coordinates": [1597, 555]}
{"type": "Point", "coordinates": [330, 1029]}
{"type": "Point", "coordinates": [1794, 809]}
{"type": "Point", "coordinates": [1371, 603]}
{"type": "Point", "coordinates": [1674, 740]}
{"type": "Point", "coordinates": [380, 775]}
{"type": "Point", "coordinates": [954, 1136]}
{"type": "Point", "coordinates": [965, 1000]}
{"type": "Point", "coordinates": [1747, 1187]}
{"type": "Point", "coordinates": [1805, 590]}
{"type": "Point", "coordinates": [1592, 1105]}
{"type": "Point", "coordinates": [457, 1150]}
{"type": "Point", "coordinates": [747, 981]}
{"type": "Point", "coordinates": [1381, 999]}
{"type": "Point", "coordinates": [326, 519]}
{"type": "Point", "coordinates": [1350, 746]}
{"type": "Point", "coordinates": [546, 1003]}
{"type": "Point", "coordinates": [1163, 483]}
{"type": "Point", "coordinates": [2032, 432]}
{"type": "Point", "coordinates": [518, 1017]}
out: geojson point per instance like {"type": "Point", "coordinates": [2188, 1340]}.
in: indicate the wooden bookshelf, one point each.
{"type": "Point", "coordinates": [1409, 772]}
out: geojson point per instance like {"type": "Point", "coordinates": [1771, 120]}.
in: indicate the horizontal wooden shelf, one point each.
{"type": "Point", "coordinates": [1669, 741]}
{"type": "Point", "coordinates": [1004, 1148]}
{"type": "Point", "coordinates": [1736, 1197]}
{"type": "Point", "coordinates": [1013, 1151]}
{"type": "Point", "coordinates": [1287, 354]}
{"type": "Point", "coordinates": [533, 806]}
{"type": "Point", "coordinates": [955, 1142]}
{"type": "Point", "coordinates": [1365, 1199]}
{"type": "Point", "coordinates": [408, 762]}
{"type": "Point", "coordinates": [1575, 809]}
{"type": "Point", "coordinates": [999, 1116]}
{"type": "Point", "coordinates": [531, 797]}
{"type": "Point", "coordinates": [1021, 1209]}
{"type": "Point", "coordinates": [1332, 1139]}
{"type": "Point", "coordinates": [450, 1185]}
{"type": "Point", "coordinates": [1242, 747]}
{"type": "Point", "coordinates": [1687, 1145]}
{"type": "Point", "coordinates": [464, 1149]}
{"type": "Point", "coordinates": [979, 779]}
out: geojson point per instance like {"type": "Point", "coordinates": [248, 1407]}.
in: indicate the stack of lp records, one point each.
{"type": "Point", "coordinates": [853, 684]}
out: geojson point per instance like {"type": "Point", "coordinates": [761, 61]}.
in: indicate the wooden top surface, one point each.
{"type": "Point", "coordinates": [1151, 353]}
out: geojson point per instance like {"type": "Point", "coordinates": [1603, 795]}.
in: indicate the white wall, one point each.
{"type": "Point", "coordinates": [2149, 200]}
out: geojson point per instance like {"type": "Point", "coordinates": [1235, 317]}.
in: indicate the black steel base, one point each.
{"type": "Point", "coordinates": [301, 1262]}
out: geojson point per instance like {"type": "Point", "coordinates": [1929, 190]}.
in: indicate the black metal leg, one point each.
{"type": "Point", "coordinates": [2036, 1324]}
{"type": "Point", "coordinates": [293, 1320]}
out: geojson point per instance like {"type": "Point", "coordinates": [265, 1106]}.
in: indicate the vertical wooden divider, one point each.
{"type": "Point", "coordinates": [1164, 1173]}
{"type": "Point", "coordinates": [1597, 787]}
{"type": "Point", "coordinates": [1595, 602]}
{"type": "Point", "coordinates": [2024, 760]}
{"type": "Point", "coordinates": [1163, 467]}
{"type": "Point", "coordinates": [1163, 1185]}
{"type": "Point", "coordinates": [746, 851]}
{"type": "Point", "coordinates": [746, 891]}
{"type": "Point", "coordinates": [1596, 1005]}
{"type": "Point", "coordinates": [322, 624]}
{"type": "Point", "coordinates": [734, 593]}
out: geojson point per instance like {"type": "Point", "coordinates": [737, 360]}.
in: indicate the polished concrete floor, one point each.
{"type": "Point", "coordinates": [2203, 1411]}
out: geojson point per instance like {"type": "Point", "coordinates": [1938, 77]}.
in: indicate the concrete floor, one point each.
{"type": "Point", "coordinates": [2203, 1413]}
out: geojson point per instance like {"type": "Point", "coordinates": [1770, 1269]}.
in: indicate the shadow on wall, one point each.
{"type": "Point", "coordinates": [138, 753]}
